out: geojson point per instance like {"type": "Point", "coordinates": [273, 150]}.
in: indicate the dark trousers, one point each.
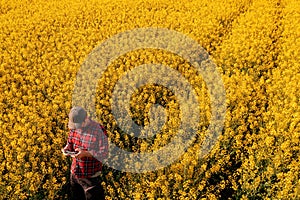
{"type": "Point", "coordinates": [86, 188]}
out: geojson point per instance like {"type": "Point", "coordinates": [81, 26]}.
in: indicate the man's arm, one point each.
{"type": "Point", "coordinates": [82, 153]}
{"type": "Point", "coordinates": [100, 152]}
{"type": "Point", "coordinates": [69, 145]}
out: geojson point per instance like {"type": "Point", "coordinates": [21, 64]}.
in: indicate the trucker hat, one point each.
{"type": "Point", "coordinates": [77, 115]}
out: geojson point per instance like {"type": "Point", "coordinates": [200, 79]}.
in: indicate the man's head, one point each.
{"type": "Point", "coordinates": [77, 116]}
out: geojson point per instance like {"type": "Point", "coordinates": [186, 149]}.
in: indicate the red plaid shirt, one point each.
{"type": "Point", "coordinates": [92, 138]}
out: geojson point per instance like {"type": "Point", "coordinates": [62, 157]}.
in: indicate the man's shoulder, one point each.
{"type": "Point", "coordinates": [94, 123]}
{"type": "Point", "coordinates": [97, 126]}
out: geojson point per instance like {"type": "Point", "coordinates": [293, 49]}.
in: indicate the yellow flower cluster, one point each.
{"type": "Point", "coordinates": [255, 46]}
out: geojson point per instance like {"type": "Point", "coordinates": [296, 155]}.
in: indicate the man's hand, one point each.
{"type": "Point", "coordinates": [68, 153]}
{"type": "Point", "coordinates": [82, 154]}
{"type": "Point", "coordinates": [64, 152]}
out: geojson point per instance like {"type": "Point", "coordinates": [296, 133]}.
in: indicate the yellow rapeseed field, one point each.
{"type": "Point", "coordinates": [255, 45]}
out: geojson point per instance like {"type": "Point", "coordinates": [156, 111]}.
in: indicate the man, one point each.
{"type": "Point", "coordinates": [88, 142]}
